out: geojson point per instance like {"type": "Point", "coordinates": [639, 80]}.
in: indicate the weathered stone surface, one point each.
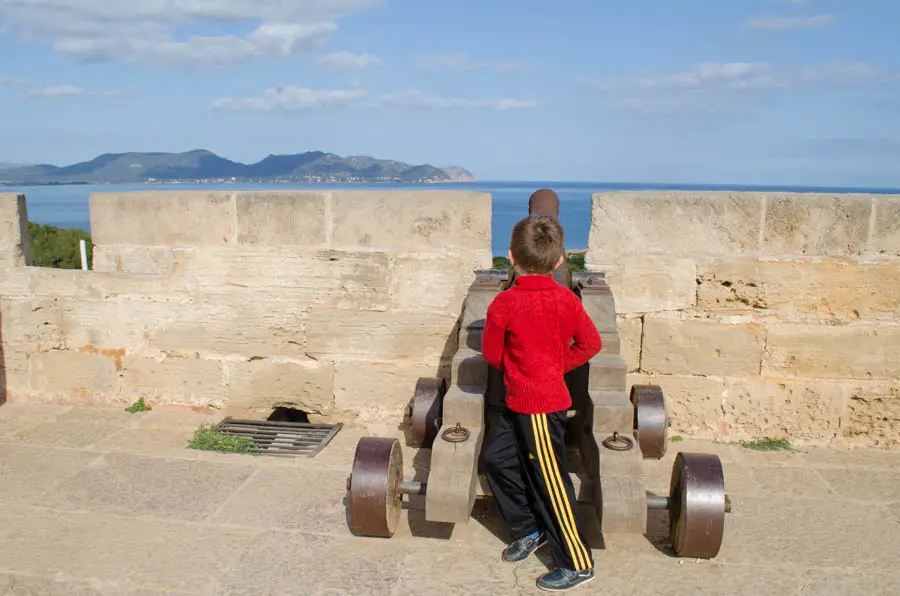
{"type": "Point", "coordinates": [601, 308]}
{"type": "Point", "coordinates": [428, 281]}
{"type": "Point", "coordinates": [872, 412]}
{"type": "Point", "coordinates": [815, 224]}
{"type": "Point", "coordinates": [124, 483]}
{"type": "Point", "coordinates": [630, 332]}
{"type": "Point", "coordinates": [35, 324]}
{"type": "Point", "coordinates": [188, 381]}
{"type": "Point", "coordinates": [281, 218]}
{"type": "Point", "coordinates": [676, 224]}
{"type": "Point", "coordinates": [74, 375]}
{"type": "Point", "coordinates": [692, 346]}
{"type": "Point", "coordinates": [411, 220]}
{"type": "Point", "coordinates": [261, 384]}
{"type": "Point", "coordinates": [156, 260]}
{"type": "Point", "coordinates": [333, 278]}
{"type": "Point", "coordinates": [111, 324]}
{"type": "Point", "coordinates": [14, 377]}
{"type": "Point", "coordinates": [344, 334]}
{"type": "Point", "coordinates": [834, 288]}
{"type": "Point", "coordinates": [858, 351]}
{"type": "Point", "coordinates": [651, 283]}
{"type": "Point", "coordinates": [886, 235]}
{"type": "Point", "coordinates": [261, 328]}
{"type": "Point", "coordinates": [170, 218]}
{"type": "Point", "coordinates": [783, 408]}
{"type": "Point", "coordinates": [15, 246]}
{"type": "Point", "coordinates": [376, 392]}
{"type": "Point", "coordinates": [28, 472]}
{"type": "Point", "coordinates": [693, 403]}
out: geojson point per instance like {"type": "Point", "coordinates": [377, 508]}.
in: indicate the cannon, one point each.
{"type": "Point", "coordinates": [609, 433]}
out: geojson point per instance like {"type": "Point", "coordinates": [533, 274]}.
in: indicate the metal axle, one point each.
{"type": "Point", "coordinates": [664, 502]}
{"type": "Point", "coordinates": [412, 488]}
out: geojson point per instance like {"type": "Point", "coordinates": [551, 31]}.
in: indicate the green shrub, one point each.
{"type": "Point", "coordinates": [58, 247]}
{"type": "Point", "coordinates": [575, 262]}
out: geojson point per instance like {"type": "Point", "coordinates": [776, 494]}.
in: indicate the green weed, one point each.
{"type": "Point", "coordinates": [767, 444]}
{"type": "Point", "coordinates": [207, 438]}
{"type": "Point", "coordinates": [138, 406]}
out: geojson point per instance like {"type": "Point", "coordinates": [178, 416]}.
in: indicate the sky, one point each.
{"type": "Point", "coordinates": [800, 92]}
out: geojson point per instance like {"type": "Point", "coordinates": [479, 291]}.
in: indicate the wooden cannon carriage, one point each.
{"type": "Point", "coordinates": [609, 433]}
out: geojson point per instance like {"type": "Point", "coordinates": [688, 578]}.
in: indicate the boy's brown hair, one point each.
{"type": "Point", "coordinates": [536, 244]}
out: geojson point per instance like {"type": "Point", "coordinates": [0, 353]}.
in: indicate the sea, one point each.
{"type": "Point", "coordinates": [67, 206]}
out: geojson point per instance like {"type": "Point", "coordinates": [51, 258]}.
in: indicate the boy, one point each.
{"type": "Point", "coordinates": [528, 336]}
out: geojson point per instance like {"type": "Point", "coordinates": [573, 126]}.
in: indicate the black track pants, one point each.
{"type": "Point", "coordinates": [524, 458]}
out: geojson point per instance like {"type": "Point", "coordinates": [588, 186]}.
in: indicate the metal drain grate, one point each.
{"type": "Point", "coordinates": [284, 439]}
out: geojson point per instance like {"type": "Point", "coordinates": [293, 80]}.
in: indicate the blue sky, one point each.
{"type": "Point", "coordinates": [711, 91]}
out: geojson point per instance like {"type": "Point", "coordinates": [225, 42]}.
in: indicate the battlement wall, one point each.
{"type": "Point", "coordinates": [760, 314]}
{"type": "Point", "coordinates": [331, 302]}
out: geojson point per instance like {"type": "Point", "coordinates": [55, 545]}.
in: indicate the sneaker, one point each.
{"type": "Point", "coordinates": [560, 580]}
{"type": "Point", "coordinates": [524, 547]}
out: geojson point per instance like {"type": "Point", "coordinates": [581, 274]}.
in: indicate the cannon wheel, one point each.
{"type": "Point", "coordinates": [651, 424]}
{"type": "Point", "coordinates": [375, 500]}
{"type": "Point", "coordinates": [697, 505]}
{"type": "Point", "coordinates": [427, 408]}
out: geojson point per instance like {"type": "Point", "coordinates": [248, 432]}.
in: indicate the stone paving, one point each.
{"type": "Point", "coordinates": [102, 502]}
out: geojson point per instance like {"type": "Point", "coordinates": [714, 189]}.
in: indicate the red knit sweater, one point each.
{"type": "Point", "coordinates": [528, 335]}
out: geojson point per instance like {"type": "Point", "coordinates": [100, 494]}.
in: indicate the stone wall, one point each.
{"type": "Point", "coordinates": [761, 315]}
{"type": "Point", "coordinates": [331, 302]}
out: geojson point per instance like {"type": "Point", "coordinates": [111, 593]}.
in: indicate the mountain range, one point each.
{"type": "Point", "coordinates": [204, 166]}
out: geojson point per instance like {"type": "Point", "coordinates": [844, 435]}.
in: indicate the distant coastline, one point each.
{"type": "Point", "coordinates": [204, 167]}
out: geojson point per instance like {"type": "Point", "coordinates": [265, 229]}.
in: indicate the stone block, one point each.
{"type": "Point", "coordinates": [676, 224]}
{"type": "Point", "coordinates": [469, 368]}
{"type": "Point", "coordinates": [268, 326]}
{"type": "Point", "coordinates": [816, 224]}
{"type": "Point", "coordinates": [758, 407]}
{"type": "Point", "coordinates": [411, 220]}
{"type": "Point", "coordinates": [872, 412]}
{"type": "Point", "coordinates": [700, 347]}
{"type": "Point", "coordinates": [344, 334]}
{"type": "Point", "coordinates": [14, 377]}
{"type": "Point", "coordinates": [74, 376]}
{"type": "Point", "coordinates": [15, 245]}
{"type": "Point", "coordinates": [607, 373]}
{"type": "Point", "coordinates": [693, 403]}
{"type": "Point", "coordinates": [376, 392]}
{"type": "Point", "coordinates": [337, 279]}
{"type": "Point", "coordinates": [425, 281]}
{"type": "Point", "coordinates": [170, 218]}
{"type": "Point", "coordinates": [885, 238]}
{"type": "Point", "coordinates": [475, 307]}
{"type": "Point", "coordinates": [170, 380]}
{"type": "Point", "coordinates": [856, 351]}
{"type": "Point", "coordinates": [651, 283]}
{"type": "Point", "coordinates": [111, 324]}
{"type": "Point", "coordinates": [153, 260]}
{"type": "Point", "coordinates": [601, 308]}
{"type": "Point", "coordinates": [35, 324]}
{"type": "Point", "coordinates": [265, 384]}
{"type": "Point", "coordinates": [281, 218]}
{"type": "Point", "coordinates": [630, 333]}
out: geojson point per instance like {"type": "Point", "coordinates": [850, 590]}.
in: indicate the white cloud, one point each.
{"type": "Point", "coordinates": [715, 84]}
{"type": "Point", "coordinates": [63, 91]}
{"type": "Point", "coordinates": [462, 62]}
{"type": "Point", "coordinates": [790, 23]}
{"type": "Point", "coordinates": [291, 98]}
{"type": "Point", "coordinates": [30, 88]}
{"type": "Point", "coordinates": [145, 31]}
{"type": "Point", "coordinates": [348, 61]}
{"type": "Point", "coordinates": [416, 98]}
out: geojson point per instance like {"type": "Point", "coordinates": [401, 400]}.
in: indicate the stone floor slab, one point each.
{"type": "Point", "coordinates": [705, 578]}
{"type": "Point", "coordinates": [863, 485]}
{"type": "Point", "coordinates": [289, 564]}
{"type": "Point", "coordinates": [147, 486]}
{"type": "Point", "coordinates": [72, 546]}
{"type": "Point", "coordinates": [29, 471]}
{"type": "Point", "coordinates": [289, 499]}
{"type": "Point", "coordinates": [71, 436]}
{"type": "Point", "coordinates": [809, 533]}
{"type": "Point", "coordinates": [755, 481]}
{"type": "Point", "coordinates": [187, 558]}
{"type": "Point", "coordinates": [834, 582]}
